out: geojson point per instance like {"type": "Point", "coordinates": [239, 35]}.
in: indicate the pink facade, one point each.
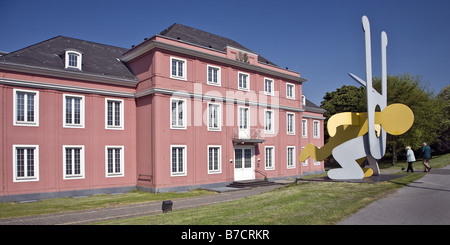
{"type": "Point", "coordinates": [191, 116]}
{"type": "Point", "coordinates": [50, 136]}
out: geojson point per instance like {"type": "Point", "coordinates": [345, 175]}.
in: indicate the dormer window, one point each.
{"type": "Point", "coordinates": [73, 59]}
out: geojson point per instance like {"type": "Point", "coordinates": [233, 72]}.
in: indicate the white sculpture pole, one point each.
{"type": "Point", "coordinates": [377, 144]}
{"type": "Point", "coordinates": [369, 145]}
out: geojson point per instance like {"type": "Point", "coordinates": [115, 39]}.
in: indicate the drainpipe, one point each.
{"type": "Point", "coordinates": [3, 149]}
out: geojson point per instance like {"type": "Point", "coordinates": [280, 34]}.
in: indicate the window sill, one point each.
{"type": "Point", "coordinates": [179, 78]}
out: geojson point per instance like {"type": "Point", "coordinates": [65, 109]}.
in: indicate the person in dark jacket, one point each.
{"type": "Point", "coordinates": [426, 156]}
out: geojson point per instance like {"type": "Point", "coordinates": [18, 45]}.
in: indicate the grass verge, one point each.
{"type": "Point", "coordinates": [8, 210]}
{"type": "Point", "coordinates": [308, 203]}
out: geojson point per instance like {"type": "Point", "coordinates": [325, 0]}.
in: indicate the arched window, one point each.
{"type": "Point", "coordinates": [73, 59]}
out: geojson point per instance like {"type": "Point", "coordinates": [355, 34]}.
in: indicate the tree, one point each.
{"type": "Point", "coordinates": [442, 144]}
{"type": "Point", "coordinates": [344, 99]}
{"type": "Point", "coordinates": [411, 91]}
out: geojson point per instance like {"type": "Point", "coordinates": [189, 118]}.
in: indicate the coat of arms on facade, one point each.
{"type": "Point", "coordinates": [241, 56]}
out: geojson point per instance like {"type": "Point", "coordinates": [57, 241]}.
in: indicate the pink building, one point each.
{"type": "Point", "coordinates": [184, 109]}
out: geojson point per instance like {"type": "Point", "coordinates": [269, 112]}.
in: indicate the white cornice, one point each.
{"type": "Point", "coordinates": [316, 110]}
{"type": "Point", "coordinates": [76, 89]}
{"type": "Point", "coordinates": [65, 88]}
{"type": "Point", "coordinates": [161, 45]}
{"type": "Point", "coordinates": [216, 98]}
{"type": "Point", "coordinates": [68, 74]}
{"type": "Point", "coordinates": [313, 117]}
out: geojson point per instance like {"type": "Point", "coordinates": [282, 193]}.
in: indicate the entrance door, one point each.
{"type": "Point", "coordinates": [244, 165]}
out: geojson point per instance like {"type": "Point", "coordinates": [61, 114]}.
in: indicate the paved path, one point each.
{"type": "Point", "coordinates": [128, 211]}
{"type": "Point", "coordinates": [423, 202]}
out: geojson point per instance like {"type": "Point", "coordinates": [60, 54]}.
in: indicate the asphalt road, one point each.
{"type": "Point", "coordinates": [422, 202]}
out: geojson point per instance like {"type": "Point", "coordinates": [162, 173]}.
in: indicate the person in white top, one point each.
{"type": "Point", "coordinates": [410, 158]}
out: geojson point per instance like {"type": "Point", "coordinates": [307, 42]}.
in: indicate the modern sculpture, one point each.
{"type": "Point", "coordinates": [356, 136]}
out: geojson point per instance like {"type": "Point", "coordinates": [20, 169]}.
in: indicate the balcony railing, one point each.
{"type": "Point", "coordinates": [250, 135]}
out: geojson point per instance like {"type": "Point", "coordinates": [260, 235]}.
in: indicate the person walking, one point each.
{"type": "Point", "coordinates": [410, 158]}
{"type": "Point", "coordinates": [426, 156]}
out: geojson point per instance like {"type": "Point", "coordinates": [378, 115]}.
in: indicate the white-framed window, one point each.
{"type": "Point", "coordinates": [304, 163]}
{"type": "Point", "coordinates": [244, 118]}
{"type": "Point", "coordinates": [291, 157]}
{"type": "Point", "coordinates": [214, 159]}
{"type": "Point", "coordinates": [290, 118]}
{"type": "Point", "coordinates": [304, 128]}
{"type": "Point", "coordinates": [73, 161]}
{"type": "Point", "coordinates": [290, 91]}
{"type": "Point", "coordinates": [270, 157]}
{"type": "Point", "coordinates": [73, 59]}
{"type": "Point", "coordinates": [114, 160]}
{"type": "Point", "coordinates": [316, 129]}
{"type": "Point", "coordinates": [26, 163]}
{"type": "Point", "coordinates": [178, 160]}
{"type": "Point", "coordinates": [26, 107]}
{"type": "Point", "coordinates": [316, 162]}
{"type": "Point", "coordinates": [114, 114]}
{"type": "Point", "coordinates": [178, 113]}
{"type": "Point", "coordinates": [303, 100]}
{"type": "Point", "coordinates": [178, 68]}
{"type": "Point", "coordinates": [268, 121]}
{"type": "Point", "coordinates": [214, 117]}
{"type": "Point", "coordinates": [268, 86]}
{"type": "Point", "coordinates": [243, 81]}
{"type": "Point", "coordinates": [213, 76]}
{"type": "Point", "coordinates": [73, 114]}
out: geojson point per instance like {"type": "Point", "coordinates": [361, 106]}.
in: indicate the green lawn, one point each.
{"type": "Point", "coordinates": [8, 210]}
{"type": "Point", "coordinates": [308, 203]}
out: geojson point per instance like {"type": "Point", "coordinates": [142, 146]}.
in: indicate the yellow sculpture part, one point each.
{"type": "Point", "coordinates": [396, 119]}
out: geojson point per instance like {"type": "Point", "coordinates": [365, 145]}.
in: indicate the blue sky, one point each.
{"type": "Point", "coordinates": [321, 39]}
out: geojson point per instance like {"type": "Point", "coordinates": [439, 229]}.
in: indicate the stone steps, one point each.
{"type": "Point", "coordinates": [251, 183]}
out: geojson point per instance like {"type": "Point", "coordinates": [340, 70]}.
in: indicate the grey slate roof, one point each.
{"type": "Point", "coordinates": [313, 107]}
{"type": "Point", "coordinates": [205, 39]}
{"type": "Point", "coordinates": [98, 59]}
{"type": "Point", "coordinates": [103, 60]}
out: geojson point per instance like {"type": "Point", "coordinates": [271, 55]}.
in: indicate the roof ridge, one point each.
{"type": "Point", "coordinates": [311, 104]}
{"type": "Point", "coordinates": [163, 33]}
{"type": "Point", "coordinates": [102, 44]}
{"type": "Point", "coordinates": [198, 37]}
{"type": "Point", "coordinates": [167, 29]}
{"type": "Point", "coordinates": [39, 44]}
{"type": "Point", "coordinates": [30, 46]}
